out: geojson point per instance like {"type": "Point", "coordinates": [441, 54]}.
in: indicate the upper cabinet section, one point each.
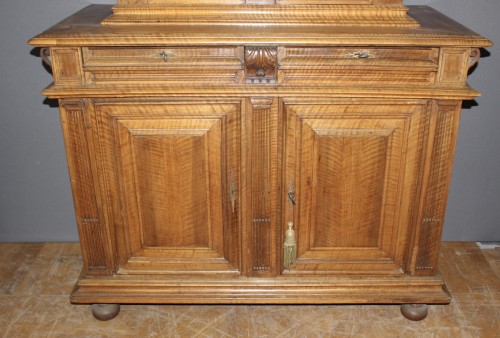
{"type": "Point", "coordinates": [269, 12]}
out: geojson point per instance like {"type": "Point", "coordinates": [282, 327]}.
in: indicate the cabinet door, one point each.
{"type": "Point", "coordinates": [353, 169]}
{"type": "Point", "coordinates": [170, 172]}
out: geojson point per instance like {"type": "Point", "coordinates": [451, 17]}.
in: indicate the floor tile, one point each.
{"type": "Point", "coordinates": [35, 281]}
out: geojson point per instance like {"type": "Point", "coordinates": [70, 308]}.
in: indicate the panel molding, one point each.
{"type": "Point", "coordinates": [208, 147]}
{"type": "Point", "coordinates": [401, 125]}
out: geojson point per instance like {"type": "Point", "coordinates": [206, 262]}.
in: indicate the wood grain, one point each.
{"type": "Point", "coordinates": [352, 166]}
{"type": "Point", "coordinates": [196, 130]}
{"type": "Point", "coordinates": [168, 170]}
{"type": "Point", "coordinates": [441, 151]}
{"type": "Point", "coordinates": [92, 229]}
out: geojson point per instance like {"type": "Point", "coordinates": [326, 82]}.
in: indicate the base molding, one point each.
{"type": "Point", "coordinates": [221, 290]}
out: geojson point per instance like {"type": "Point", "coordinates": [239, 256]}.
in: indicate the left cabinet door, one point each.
{"type": "Point", "coordinates": [169, 173]}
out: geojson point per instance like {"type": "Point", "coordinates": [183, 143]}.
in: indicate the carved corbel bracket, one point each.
{"type": "Point", "coordinates": [45, 55]}
{"type": "Point", "coordinates": [261, 65]}
{"type": "Point", "coordinates": [475, 54]}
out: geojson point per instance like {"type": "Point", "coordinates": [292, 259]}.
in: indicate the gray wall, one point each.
{"type": "Point", "coordinates": [35, 196]}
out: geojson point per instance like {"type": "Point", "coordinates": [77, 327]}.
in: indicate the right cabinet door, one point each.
{"type": "Point", "coordinates": [352, 169]}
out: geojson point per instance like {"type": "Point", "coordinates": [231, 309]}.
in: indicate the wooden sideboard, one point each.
{"type": "Point", "coordinates": [260, 152]}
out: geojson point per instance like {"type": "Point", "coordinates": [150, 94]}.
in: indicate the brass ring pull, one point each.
{"type": "Point", "coordinates": [475, 54]}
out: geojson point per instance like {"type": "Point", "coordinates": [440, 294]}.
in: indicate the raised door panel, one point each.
{"type": "Point", "coordinates": [172, 172]}
{"type": "Point", "coordinates": [353, 169]}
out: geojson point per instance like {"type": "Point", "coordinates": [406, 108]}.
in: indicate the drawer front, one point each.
{"type": "Point", "coordinates": [358, 66]}
{"type": "Point", "coordinates": [218, 65]}
{"type": "Point", "coordinates": [296, 66]}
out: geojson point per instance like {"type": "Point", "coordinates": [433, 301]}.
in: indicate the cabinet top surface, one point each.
{"type": "Point", "coordinates": [85, 28]}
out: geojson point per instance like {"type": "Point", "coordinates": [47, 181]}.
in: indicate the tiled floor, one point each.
{"type": "Point", "coordinates": [35, 280]}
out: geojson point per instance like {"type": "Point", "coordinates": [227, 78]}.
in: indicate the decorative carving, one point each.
{"type": "Point", "coordinates": [475, 54]}
{"type": "Point", "coordinates": [71, 105]}
{"type": "Point", "coordinates": [261, 65]}
{"type": "Point", "coordinates": [45, 55]}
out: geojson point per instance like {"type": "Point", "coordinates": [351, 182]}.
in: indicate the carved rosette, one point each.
{"type": "Point", "coordinates": [261, 65]}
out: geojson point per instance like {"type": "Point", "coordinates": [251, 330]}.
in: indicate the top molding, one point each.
{"type": "Point", "coordinates": [239, 2]}
{"type": "Point", "coordinates": [84, 28]}
{"type": "Point", "coordinates": [262, 12]}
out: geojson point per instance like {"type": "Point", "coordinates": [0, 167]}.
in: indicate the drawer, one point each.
{"type": "Point", "coordinates": [358, 66]}
{"type": "Point", "coordinates": [218, 65]}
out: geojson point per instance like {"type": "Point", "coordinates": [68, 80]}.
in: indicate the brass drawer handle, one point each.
{"type": "Point", "coordinates": [359, 54]}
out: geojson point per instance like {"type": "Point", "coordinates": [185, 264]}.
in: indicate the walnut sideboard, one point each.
{"type": "Point", "coordinates": [260, 152]}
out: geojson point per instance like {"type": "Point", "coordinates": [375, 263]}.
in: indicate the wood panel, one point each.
{"type": "Point", "coordinates": [177, 172]}
{"type": "Point", "coordinates": [453, 67]}
{"type": "Point", "coordinates": [94, 237]}
{"type": "Point", "coordinates": [350, 184]}
{"type": "Point", "coordinates": [352, 166]}
{"type": "Point", "coordinates": [262, 139]}
{"type": "Point", "coordinates": [124, 65]}
{"type": "Point", "coordinates": [360, 66]}
{"type": "Point", "coordinates": [439, 162]}
{"type": "Point", "coordinates": [67, 65]}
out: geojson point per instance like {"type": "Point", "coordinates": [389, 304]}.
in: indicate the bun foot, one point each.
{"type": "Point", "coordinates": [105, 311]}
{"type": "Point", "coordinates": [415, 312]}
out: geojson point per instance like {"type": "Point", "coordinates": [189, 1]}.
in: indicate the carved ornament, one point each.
{"type": "Point", "coordinates": [261, 65]}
